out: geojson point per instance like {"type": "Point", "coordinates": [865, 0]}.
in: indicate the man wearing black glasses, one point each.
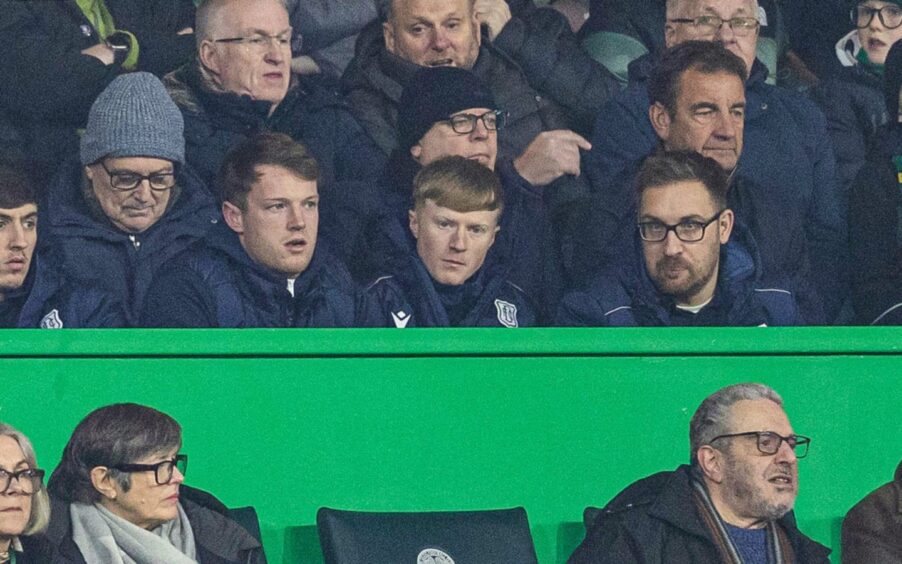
{"type": "Point", "coordinates": [695, 265]}
{"type": "Point", "coordinates": [130, 203]}
{"type": "Point", "coordinates": [732, 504]}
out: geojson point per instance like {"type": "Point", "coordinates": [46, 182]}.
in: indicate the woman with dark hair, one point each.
{"type": "Point", "coordinates": [24, 505]}
{"type": "Point", "coordinates": [116, 492]}
{"type": "Point", "coordinates": [875, 215]}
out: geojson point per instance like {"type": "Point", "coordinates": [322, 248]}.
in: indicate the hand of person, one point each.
{"type": "Point", "coordinates": [551, 155]}
{"type": "Point", "coordinates": [101, 52]}
{"type": "Point", "coordinates": [186, 31]}
{"type": "Point", "coordinates": [494, 14]}
{"type": "Point", "coordinates": [304, 65]}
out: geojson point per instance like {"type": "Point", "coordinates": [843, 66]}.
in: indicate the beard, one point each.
{"type": "Point", "coordinates": [747, 493]}
{"type": "Point", "coordinates": [683, 288]}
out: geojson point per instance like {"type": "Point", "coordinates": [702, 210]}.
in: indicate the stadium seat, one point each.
{"type": "Point", "coordinates": [615, 51]}
{"type": "Point", "coordinates": [351, 537]}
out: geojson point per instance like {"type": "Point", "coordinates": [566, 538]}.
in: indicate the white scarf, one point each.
{"type": "Point", "coordinates": [102, 536]}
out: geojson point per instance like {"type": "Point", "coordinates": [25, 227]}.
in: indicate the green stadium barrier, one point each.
{"type": "Point", "coordinates": [551, 419]}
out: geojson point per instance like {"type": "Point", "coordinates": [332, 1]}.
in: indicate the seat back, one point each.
{"type": "Point", "coordinates": [459, 537]}
{"type": "Point", "coordinates": [247, 518]}
{"type": "Point", "coordinates": [615, 51]}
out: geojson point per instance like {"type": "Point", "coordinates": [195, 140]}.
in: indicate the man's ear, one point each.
{"type": "Point", "coordinates": [660, 120]}
{"type": "Point", "coordinates": [725, 226]}
{"type": "Point", "coordinates": [103, 482]}
{"type": "Point", "coordinates": [89, 172]}
{"type": "Point", "coordinates": [414, 223]}
{"type": "Point", "coordinates": [710, 461]}
{"type": "Point", "coordinates": [416, 151]}
{"type": "Point", "coordinates": [208, 56]}
{"type": "Point", "coordinates": [233, 216]}
{"type": "Point", "coordinates": [388, 34]}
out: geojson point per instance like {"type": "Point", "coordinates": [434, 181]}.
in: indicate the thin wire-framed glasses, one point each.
{"type": "Point", "coordinates": [769, 442]}
{"type": "Point", "coordinates": [260, 41]}
{"type": "Point", "coordinates": [686, 231]}
{"type": "Point", "coordinates": [890, 16]}
{"type": "Point", "coordinates": [707, 26]}
{"type": "Point", "coordinates": [466, 123]}
{"type": "Point", "coordinates": [30, 480]}
{"type": "Point", "coordinates": [163, 471]}
{"type": "Point", "coordinates": [126, 180]}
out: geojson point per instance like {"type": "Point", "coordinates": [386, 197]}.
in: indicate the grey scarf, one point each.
{"type": "Point", "coordinates": [102, 536]}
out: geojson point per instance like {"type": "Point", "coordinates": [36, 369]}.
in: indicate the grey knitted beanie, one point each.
{"type": "Point", "coordinates": [134, 117]}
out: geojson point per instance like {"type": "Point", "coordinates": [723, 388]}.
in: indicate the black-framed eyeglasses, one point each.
{"type": "Point", "coordinates": [260, 41]}
{"type": "Point", "coordinates": [30, 480]}
{"type": "Point", "coordinates": [890, 16]}
{"type": "Point", "coordinates": [163, 471]}
{"type": "Point", "coordinates": [126, 180]}
{"type": "Point", "coordinates": [769, 442]}
{"type": "Point", "coordinates": [466, 123]}
{"type": "Point", "coordinates": [710, 25]}
{"type": "Point", "coordinates": [688, 231]}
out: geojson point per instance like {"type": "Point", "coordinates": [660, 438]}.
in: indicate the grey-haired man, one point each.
{"type": "Point", "coordinates": [732, 503]}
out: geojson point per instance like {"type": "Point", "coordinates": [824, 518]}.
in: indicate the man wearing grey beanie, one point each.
{"type": "Point", "coordinates": [130, 203]}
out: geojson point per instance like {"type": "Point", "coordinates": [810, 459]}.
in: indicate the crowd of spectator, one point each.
{"type": "Point", "coordinates": [416, 163]}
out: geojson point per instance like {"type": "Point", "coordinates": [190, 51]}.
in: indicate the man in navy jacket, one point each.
{"type": "Point", "coordinates": [32, 293]}
{"type": "Point", "coordinates": [130, 203]}
{"type": "Point", "coordinates": [788, 194]}
{"type": "Point", "coordinates": [695, 266]}
{"type": "Point", "coordinates": [446, 281]}
{"type": "Point", "coordinates": [265, 269]}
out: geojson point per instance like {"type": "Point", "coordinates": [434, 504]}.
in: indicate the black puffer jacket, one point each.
{"type": "Point", "coordinates": [655, 520]}
{"type": "Point", "coordinates": [853, 103]}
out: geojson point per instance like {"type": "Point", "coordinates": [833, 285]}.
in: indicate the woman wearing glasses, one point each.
{"type": "Point", "coordinates": [853, 100]}
{"type": "Point", "coordinates": [24, 506]}
{"type": "Point", "coordinates": [116, 495]}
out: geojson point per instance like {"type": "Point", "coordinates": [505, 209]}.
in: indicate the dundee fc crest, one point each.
{"type": "Point", "coordinates": [507, 313]}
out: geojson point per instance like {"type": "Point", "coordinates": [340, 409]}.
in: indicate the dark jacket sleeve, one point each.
{"type": "Point", "coordinates": [155, 24]}
{"type": "Point", "coordinates": [872, 529]}
{"type": "Point", "coordinates": [547, 50]}
{"type": "Point", "coordinates": [607, 541]}
{"type": "Point", "coordinates": [357, 158]}
{"type": "Point", "coordinates": [826, 226]}
{"type": "Point", "coordinates": [873, 239]}
{"type": "Point", "coordinates": [178, 297]}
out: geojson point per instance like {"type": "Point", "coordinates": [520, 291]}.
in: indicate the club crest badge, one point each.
{"type": "Point", "coordinates": [52, 320]}
{"type": "Point", "coordinates": [401, 318]}
{"type": "Point", "coordinates": [507, 313]}
{"type": "Point", "coordinates": [433, 556]}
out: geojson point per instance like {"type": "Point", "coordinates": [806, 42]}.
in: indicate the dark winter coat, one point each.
{"type": "Point", "coordinates": [91, 247]}
{"type": "Point", "coordinates": [875, 232]}
{"type": "Point", "coordinates": [872, 530]}
{"type": "Point", "coordinates": [49, 300]}
{"type": "Point", "coordinates": [215, 122]}
{"type": "Point", "coordinates": [216, 284]}
{"type": "Point", "coordinates": [409, 298]}
{"type": "Point", "coordinates": [36, 549]}
{"type": "Point", "coordinates": [49, 86]}
{"type": "Point", "coordinates": [625, 295]}
{"type": "Point", "coordinates": [219, 540]}
{"type": "Point", "coordinates": [854, 106]}
{"type": "Point", "coordinates": [655, 520]}
{"type": "Point", "coordinates": [787, 167]}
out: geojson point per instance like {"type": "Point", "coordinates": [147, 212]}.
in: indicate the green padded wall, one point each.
{"type": "Point", "coordinates": [550, 419]}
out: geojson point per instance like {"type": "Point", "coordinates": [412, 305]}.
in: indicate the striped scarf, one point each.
{"type": "Point", "coordinates": [779, 549]}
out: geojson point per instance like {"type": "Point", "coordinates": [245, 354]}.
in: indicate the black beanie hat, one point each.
{"type": "Point", "coordinates": [432, 95]}
{"type": "Point", "coordinates": [892, 76]}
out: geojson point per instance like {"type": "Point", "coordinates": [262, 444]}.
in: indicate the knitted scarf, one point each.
{"type": "Point", "coordinates": [779, 549]}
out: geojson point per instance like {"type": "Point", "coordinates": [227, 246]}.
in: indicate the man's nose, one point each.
{"type": "Point", "coordinates": [785, 453]}
{"type": "Point", "coordinates": [297, 219]}
{"type": "Point", "coordinates": [142, 191]}
{"type": "Point", "coordinates": [726, 125]}
{"type": "Point", "coordinates": [17, 240]}
{"type": "Point", "coordinates": [275, 52]}
{"type": "Point", "coordinates": [672, 244]}
{"type": "Point", "coordinates": [480, 131]}
{"type": "Point", "coordinates": [440, 40]}
{"type": "Point", "coordinates": [725, 33]}
{"type": "Point", "coordinates": [459, 239]}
